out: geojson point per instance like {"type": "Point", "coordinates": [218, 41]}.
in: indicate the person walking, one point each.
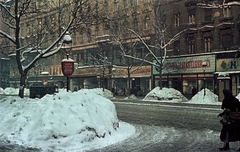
{"type": "Point", "coordinates": [194, 91]}
{"type": "Point", "coordinates": [228, 132]}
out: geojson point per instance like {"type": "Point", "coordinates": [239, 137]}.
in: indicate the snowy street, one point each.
{"type": "Point", "coordinates": [170, 128]}
{"type": "Point", "coordinates": [88, 121]}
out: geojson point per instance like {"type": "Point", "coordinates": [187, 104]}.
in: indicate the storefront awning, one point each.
{"type": "Point", "coordinates": [227, 72]}
{"type": "Point", "coordinates": [225, 75]}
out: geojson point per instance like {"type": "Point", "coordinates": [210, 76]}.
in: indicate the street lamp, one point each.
{"type": "Point", "coordinates": [68, 63]}
{"type": "Point", "coordinates": [204, 64]}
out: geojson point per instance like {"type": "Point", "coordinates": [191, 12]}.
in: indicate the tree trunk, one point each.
{"type": "Point", "coordinates": [128, 79]}
{"type": "Point", "coordinates": [22, 85]}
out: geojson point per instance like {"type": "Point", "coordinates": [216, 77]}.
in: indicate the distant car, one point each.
{"type": "Point", "coordinates": [40, 91]}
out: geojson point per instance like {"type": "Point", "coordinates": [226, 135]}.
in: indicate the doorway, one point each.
{"type": "Point", "coordinates": [223, 84]}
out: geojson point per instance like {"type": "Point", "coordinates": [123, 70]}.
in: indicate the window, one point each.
{"type": "Point", "coordinates": [191, 45]}
{"type": "Point", "coordinates": [135, 24]}
{"type": "Point", "coordinates": [139, 53]}
{"type": "Point", "coordinates": [207, 44]}
{"type": "Point", "coordinates": [146, 22]}
{"type": "Point", "coordinates": [191, 19]}
{"type": "Point", "coordinates": [81, 37]}
{"type": "Point", "coordinates": [97, 30]}
{"type": "Point", "coordinates": [176, 47]}
{"type": "Point", "coordinates": [177, 20]}
{"type": "Point", "coordinates": [135, 2]}
{"type": "Point", "coordinates": [116, 6]}
{"type": "Point", "coordinates": [227, 12]}
{"type": "Point", "coordinates": [227, 41]}
{"type": "Point", "coordinates": [89, 35]}
{"type": "Point", "coordinates": [146, 1]}
{"type": "Point", "coordinates": [208, 15]}
{"type": "Point", "coordinates": [125, 3]}
{"type": "Point", "coordinates": [115, 27]}
{"type": "Point", "coordinates": [125, 26]}
{"type": "Point", "coordinates": [106, 6]}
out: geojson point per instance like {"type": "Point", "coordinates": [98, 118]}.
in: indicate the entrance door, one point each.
{"type": "Point", "coordinates": [223, 84]}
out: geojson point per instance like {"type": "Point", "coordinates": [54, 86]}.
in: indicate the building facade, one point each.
{"type": "Point", "coordinates": [202, 45]}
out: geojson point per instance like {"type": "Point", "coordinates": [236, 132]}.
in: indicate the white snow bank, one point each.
{"type": "Point", "coordinates": [61, 122]}
{"type": "Point", "coordinates": [208, 98]}
{"type": "Point", "coordinates": [165, 94]}
{"type": "Point", "coordinates": [106, 93]}
{"type": "Point", "coordinates": [12, 91]}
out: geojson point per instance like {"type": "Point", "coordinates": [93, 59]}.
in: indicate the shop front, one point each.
{"type": "Point", "coordinates": [184, 73]}
{"type": "Point", "coordinates": [139, 80]}
{"type": "Point", "coordinates": [85, 78]}
{"type": "Point", "coordinates": [228, 75]}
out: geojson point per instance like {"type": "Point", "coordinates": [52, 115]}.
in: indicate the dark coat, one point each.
{"type": "Point", "coordinates": [233, 105]}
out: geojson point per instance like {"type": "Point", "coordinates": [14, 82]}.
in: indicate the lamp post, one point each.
{"type": "Point", "coordinates": [68, 63]}
{"type": "Point", "coordinates": [204, 64]}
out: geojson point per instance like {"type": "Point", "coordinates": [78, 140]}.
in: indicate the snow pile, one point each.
{"type": "Point", "coordinates": [238, 96]}
{"type": "Point", "coordinates": [106, 93]}
{"type": "Point", "coordinates": [132, 96]}
{"type": "Point", "coordinates": [209, 98]}
{"type": "Point", "coordinates": [12, 91]}
{"type": "Point", "coordinates": [62, 122]}
{"type": "Point", "coordinates": [165, 94]}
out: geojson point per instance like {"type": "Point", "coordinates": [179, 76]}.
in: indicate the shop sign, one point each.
{"type": "Point", "coordinates": [186, 65]}
{"type": "Point", "coordinates": [141, 71]}
{"type": "Point", "coordinates": [86, 71]}
{"type": "Point", "coordinates": [229, 64]}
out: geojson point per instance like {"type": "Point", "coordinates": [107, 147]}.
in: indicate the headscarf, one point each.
{"type": "Point", "coordinates": [227, 93]}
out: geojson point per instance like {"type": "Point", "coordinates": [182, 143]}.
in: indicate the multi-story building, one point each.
{"type": "Point", "coordinates": [207, 53]}
{"type": "Point", "coordinates": [4, 59]}
{"type": "Point", "coordinates": [204, 48]}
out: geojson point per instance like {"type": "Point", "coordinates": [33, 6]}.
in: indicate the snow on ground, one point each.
{"type": "Point", "coordinates": [73, 121]}
{"type": "Point", "coordinates": [106, 93]}
{"type": "Point", "coordinates": [208, 98]}
{"type": "Point", "coordinates": [62, 122]}
{"type": "Point", "coordinates": [165, 94]}
{"type": "Point", "coordinates": [172, 95]}
{"type": "Point", "coordinates": [12, 91]}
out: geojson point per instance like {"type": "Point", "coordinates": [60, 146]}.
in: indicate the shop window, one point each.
{"type": "Point", "coordinates": [188, 85]}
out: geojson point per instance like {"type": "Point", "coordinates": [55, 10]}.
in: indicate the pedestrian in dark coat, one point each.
{"type": "Point", "coordinates": [229, 131]}
{"type": "Point", "coordinates": [194, 91]}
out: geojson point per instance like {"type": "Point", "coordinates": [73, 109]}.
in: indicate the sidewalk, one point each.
{"type": "Point", "coordinates": [132, 97]}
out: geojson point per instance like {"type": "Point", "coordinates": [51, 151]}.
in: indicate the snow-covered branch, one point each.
{"type": "Point", "coordinates": [49, 51]}
{"type": "Point", "coordinates": [6, 10]}
{"type": "Point", "coordinates": [9, 37]}
{"type": "Point", "coordinates": [142, 40]}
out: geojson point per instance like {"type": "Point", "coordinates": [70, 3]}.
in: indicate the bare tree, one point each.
{"type": "Point", "coordinates": [29, 53]}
